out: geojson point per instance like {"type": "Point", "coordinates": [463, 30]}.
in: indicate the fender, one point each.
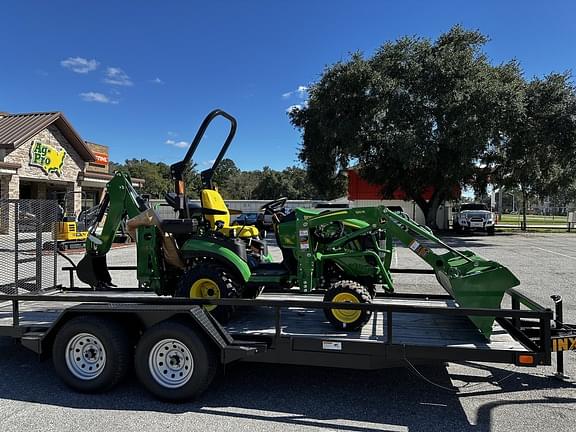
{"type": "Point", "coordinates": [197, 247]}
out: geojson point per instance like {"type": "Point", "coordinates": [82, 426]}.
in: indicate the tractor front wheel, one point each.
{"type": "Point", "coordinates": [348, 292]}
{"type": "Point", "coordinates": [210, 281]}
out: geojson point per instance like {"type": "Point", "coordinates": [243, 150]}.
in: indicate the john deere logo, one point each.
{"type": "Point", "coordinates": [47, 157]}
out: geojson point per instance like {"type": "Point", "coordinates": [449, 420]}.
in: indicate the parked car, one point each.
{"type": "Point", "coordinates": [246, 219]}
{"type": "Point", "coordinates": [474, 217]}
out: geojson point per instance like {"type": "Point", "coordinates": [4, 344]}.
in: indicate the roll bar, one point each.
{"type": "Point", "coordinates": [177, 169]}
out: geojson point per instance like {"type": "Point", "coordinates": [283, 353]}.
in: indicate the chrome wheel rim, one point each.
{"type": "Point", "coordinates": [85, 356]}
{"type": "Point", "coordinates": [171, 363]}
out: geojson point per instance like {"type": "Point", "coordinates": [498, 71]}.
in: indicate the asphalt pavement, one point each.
{"type": "Point", "coordinates": [250, 397]}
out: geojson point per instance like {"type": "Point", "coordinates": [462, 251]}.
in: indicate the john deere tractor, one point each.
{"type": "Point", "coordinates": [345, 254]}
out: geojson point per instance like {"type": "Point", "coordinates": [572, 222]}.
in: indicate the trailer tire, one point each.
{"type": "Point", "coordinates": [348, 292]}
{"type": "Point", "coordinates": [215, 278]}
{"type": "Point", "coordinates": [106, 354]}
{"type": "Point", "coordinates": [194, 361]}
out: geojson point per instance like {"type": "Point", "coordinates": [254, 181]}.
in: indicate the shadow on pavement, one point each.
{"type": "Point", "coordinates": [347, 400]}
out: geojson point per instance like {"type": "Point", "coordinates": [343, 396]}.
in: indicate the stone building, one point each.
{"type": "Point", "coordinates": [43, 157]}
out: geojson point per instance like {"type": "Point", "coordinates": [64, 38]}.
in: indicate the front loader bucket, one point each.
{"type": "Point", "coordinates": [93, 270]}
{"type": "Point", "coordinates": [476, 283]}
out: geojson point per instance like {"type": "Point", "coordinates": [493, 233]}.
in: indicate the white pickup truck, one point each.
{"type": "Point", "coordinates": [474, 217]}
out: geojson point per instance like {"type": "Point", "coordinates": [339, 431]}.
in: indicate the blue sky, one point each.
{"type": "Point", "coordinates": [140, 76]}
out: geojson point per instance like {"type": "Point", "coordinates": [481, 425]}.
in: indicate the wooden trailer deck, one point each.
{"type": "Point", "coordinates": [419, 329]}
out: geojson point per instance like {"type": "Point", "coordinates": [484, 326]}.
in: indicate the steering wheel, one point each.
{"type": "Point", "coordinates": [274, 206]}
{"type": "Point", "coordinates": [329, 232]}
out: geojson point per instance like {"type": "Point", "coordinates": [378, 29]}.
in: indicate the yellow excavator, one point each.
{"type": "Point", "coordinates": [70, 229]}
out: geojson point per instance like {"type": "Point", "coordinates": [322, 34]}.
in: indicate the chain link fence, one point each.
{"type": "Point", "coordinates": [28, 259]}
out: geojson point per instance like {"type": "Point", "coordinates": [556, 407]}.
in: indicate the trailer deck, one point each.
{"type": "Point", "coordinates": [421, 329]}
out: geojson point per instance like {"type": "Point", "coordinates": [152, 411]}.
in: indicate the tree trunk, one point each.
{"type": "Point", "coordinates": [524, 198]}
{"type": "Point", "coordinates": [430, 209]}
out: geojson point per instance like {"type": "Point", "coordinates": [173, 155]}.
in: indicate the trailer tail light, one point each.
{"type": "Point", "coordinates": [526, 360]}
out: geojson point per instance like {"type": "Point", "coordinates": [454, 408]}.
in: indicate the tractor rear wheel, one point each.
{"type": "Point", "coordinates": [348, 292]}
{"type": "Point", "coordinates": [210, 281]}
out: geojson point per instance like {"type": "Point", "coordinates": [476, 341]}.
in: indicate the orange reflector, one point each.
{"type": "Point", "coordinates": [525, 359]}
{"type": "Point", "coordinates": [180, 187]}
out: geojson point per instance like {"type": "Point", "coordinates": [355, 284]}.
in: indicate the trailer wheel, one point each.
{"type": "Point", "coordinates": [209, 281]}
{"type": "Point", "coordinates": [348, 292]}
{"type": "Point", "coordinates": [91, 354]}
{"type": "Point", "coordinates": [173, 362]}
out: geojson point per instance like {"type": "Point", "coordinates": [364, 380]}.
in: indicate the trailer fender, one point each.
{"type": "Point", "coordinates": [134, 321]}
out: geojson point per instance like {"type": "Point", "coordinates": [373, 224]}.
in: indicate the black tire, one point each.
{"type": "Point", "coordinates": [227, 285]}
{"type": "Point", "coordinates": [355, 319]}
{"type": "Point", "coordinates": [456, 227]}
{"type": "Point", "coordinates": [371, 289]}
{"type": "Point", "coordinates": [490, 231]}
{"type": "Point", "coordinates": [333, 274]}
{"type": "Point", "coordinates": [178, 337]}
{"type": "Point", "coordinates": [100, 333]}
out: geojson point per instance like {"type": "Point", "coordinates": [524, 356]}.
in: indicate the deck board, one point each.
{"type": "Point", "coordinates": [408, 328]}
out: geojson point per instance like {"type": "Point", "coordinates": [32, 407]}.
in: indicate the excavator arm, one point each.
{"type": "Point", "coordinates": [120, 202]}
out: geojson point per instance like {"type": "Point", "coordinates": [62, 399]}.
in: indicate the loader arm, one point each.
{"type": "Point", "coordinates": [471, 280]}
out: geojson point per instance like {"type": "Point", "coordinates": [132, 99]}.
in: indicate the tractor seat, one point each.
{"type": "Point", "coordinates": [211, 199]}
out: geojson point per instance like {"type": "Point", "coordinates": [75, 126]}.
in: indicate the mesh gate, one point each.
{"type": "Point", "coordinates": [28, 260]}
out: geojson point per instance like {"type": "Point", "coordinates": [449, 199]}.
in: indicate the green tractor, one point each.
{"type": "Point", "coordinates": [345, 254]}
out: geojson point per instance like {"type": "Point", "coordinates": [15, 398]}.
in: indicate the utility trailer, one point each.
{"type": "Point", "coordinates": [176, 346]}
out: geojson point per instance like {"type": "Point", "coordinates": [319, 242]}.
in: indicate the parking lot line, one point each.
{"type": "Point", "coordinates": [555, 253]}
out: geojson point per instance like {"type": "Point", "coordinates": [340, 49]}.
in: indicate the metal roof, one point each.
{"type": "Point", "coordinates": [16, 129]}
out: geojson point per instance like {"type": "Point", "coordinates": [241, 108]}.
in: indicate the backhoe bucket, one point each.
{"type": "Point", "coordinates": [93, 270]}
{"type": "Point", "coordinates": [476, 283]}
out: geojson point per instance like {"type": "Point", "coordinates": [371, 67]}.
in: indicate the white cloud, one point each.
{"type": "Point", "coordinates": [301, 92]}
{"type": "Point", "coordinates": [97, 97]}
{"type": "Point", "coordinates": [179, 144]}
{"type": "Point", "coordinates": [157, 81]}
{"type": "Point", "coordinates": [293, 107]}
{"type": "Point", "coordinates": [117, 76]}
{"type": "Point", "coordinates": [79, 64]}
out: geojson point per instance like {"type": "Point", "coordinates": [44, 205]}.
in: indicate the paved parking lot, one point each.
{"type": "Point", "coordinates": [273, 398]}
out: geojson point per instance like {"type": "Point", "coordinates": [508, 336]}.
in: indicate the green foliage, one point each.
{"type": "Point", "coordinates": [417, 114]}
{"type": "Point", "coordinates": [538, 156]}
{"type": "Point", "coordinates": [292, 182]}
{"type": "Point", "coordinates": [231, 181]}
{"type": "Point", "coordinates": [539, 152]}
{"type": "Point", "coordinates": [155, 174]}
{"type": "Point", "coordinates": [225, 174]}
